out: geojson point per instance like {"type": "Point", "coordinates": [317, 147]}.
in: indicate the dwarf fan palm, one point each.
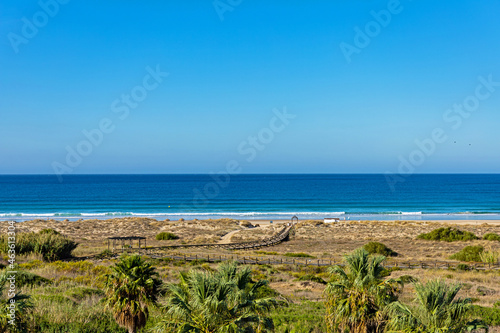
{"type": "Point", "coordinates": [356, 297]}
{"type": "Point", "coordinates": [435, 309]}
{"type": "Point", "coordinates": [226, 300]}
{"type": "Point", "coordinates": [130, 288]}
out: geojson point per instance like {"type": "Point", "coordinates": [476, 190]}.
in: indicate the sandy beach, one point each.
{"type": "Point", "coordinates": [328, 240]}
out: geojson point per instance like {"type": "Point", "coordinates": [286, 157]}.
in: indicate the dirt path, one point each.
{"type": "Point", "coordinates": [226, 239]}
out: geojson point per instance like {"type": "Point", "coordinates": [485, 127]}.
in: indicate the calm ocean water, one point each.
{"type": "Point", "coordinates": [250, 196]}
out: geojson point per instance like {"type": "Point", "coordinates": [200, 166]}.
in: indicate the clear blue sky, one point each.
{"type": "Point", "coordinates": [226, 77]}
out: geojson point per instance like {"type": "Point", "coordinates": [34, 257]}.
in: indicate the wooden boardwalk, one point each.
{"type": "Point", "coordinates": [277, 238]}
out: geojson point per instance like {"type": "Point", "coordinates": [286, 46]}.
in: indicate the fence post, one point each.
{"type": "Point", "coordinates": [208, 257]}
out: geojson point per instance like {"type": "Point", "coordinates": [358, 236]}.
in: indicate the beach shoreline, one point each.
{"type": "Point", "coordinates": [456, 221]}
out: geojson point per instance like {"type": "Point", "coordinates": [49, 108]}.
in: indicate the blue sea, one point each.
{"type": "Point", "coordinates": [349, 196]}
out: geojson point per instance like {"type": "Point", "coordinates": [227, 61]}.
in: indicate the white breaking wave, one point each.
{"type": "Point", "coordinates": [169, 214]}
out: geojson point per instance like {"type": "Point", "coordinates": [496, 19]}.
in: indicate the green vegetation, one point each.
{"type": "Point", "coordinates": [298, 255]}
{"type": "Point", "coordinates": [23, 308]}
{"type": "Point", "coordinates": [305, 317]}
{"type": "Point", "coordinates": [469, 253]}
{"type": "Point", "coordinates": [132, 285]}
{"type": "Point", "coordinates": [311, 277]}
{"type": "Point", "coordinates": [490, 316]}
{"type": "Point", "coordinates": [357, 296]}
{"type": "Point", "coordinates": [379, 248]}
{"type": "Point", "coordinates": [48, 231]}
{"type": "Point", "coordinates": [360, 297]}
{"type": "Point", "coordinates": [105, 254]}
{"type": "Point", "coordinates": [489, 256]}
{"type": "Point", "coordinates": [220, 301]}
{"type": "Point", "coordinates": [448, 234]}
{"type": "Point", "coordinates": [24, 278]}
{"type": "Point", "coordinates": [434, 309]}
{"type": "Point", "coordinates": [50, 244]}
{"type": "Point", "coordinates": [267, 253]}
{"type": "Point", "coordinates": [166, 236]}
{"type": "Point", "coordinates": [492, 237]}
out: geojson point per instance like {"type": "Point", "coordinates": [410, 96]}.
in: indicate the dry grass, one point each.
{"type": "Point", "coordinates": [481, 285]}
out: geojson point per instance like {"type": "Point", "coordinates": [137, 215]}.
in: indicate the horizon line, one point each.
{"type": "Point", "coordinates": [256, 173]}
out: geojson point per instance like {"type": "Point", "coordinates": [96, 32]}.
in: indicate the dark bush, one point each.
{"type": "Point", "coordinates": [104, 254]}
{"type": "Point", "coordinates": [24, 278]}
{"type": "Point", "coordinates": [49, 231]}
{"type": "Point", "coordinates": [166, 236]}
{"type": "Point", "coordinates": [379, 248]}
{"type": "Point", "coordinates": [448, 235]}
{"type": "Point", "coordinates": [463, 267]}
{"type": "Point", "coordinates": [298, 255]}
{"type": "Point", "coordinates": [491, 237]}
{"type": "Point", "coordinates": [51, 246]}
{"type": "Point", "coordinates": [469, 253]}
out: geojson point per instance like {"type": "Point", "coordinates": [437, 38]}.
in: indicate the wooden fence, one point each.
{"type": "Point", "coordinates": [272, 260]}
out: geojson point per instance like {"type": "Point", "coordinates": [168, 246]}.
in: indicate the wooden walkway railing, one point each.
{"type": "Point", "coordinates": [268, 260]}
{"type": "Point", "coordinates": [277, 238]}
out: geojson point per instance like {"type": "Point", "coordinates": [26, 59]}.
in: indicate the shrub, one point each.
{"type": "Point", "coordinates": [311, 277]}
{"type": "Point", "coordinates": [246, 224]}
{"type": "Point", "coordinates": [166, 236]}
{"type": "Point", "coordinates": [267, 253]}
{"type": "Point", "coordinates": [379, 248]}
{"type": "Point", "coordinates": [448, 235]}
{"type": "Point", "coordinates": [24, 278]}
{"type": "Point", "coordinates": [50, 245]}
{"type": "Point", "coordinates": [104, 254]}
{"type": "Point", "coordinates": [387, 271]}
{"type": "Point", "coordinates": [48, 231]}
{"type": "Point", "coordinates": [489, 257]}
{"type": "Point", "coordinates": [469, 253]}
{"type": "Point", "coordinates": [490, 316]}
{"type": "Point", "coordinates": [492, 237]}
{"type": "Point", "coordinates": [298, 255]}
{"type": "Point", "coordinates": [463, 267]}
